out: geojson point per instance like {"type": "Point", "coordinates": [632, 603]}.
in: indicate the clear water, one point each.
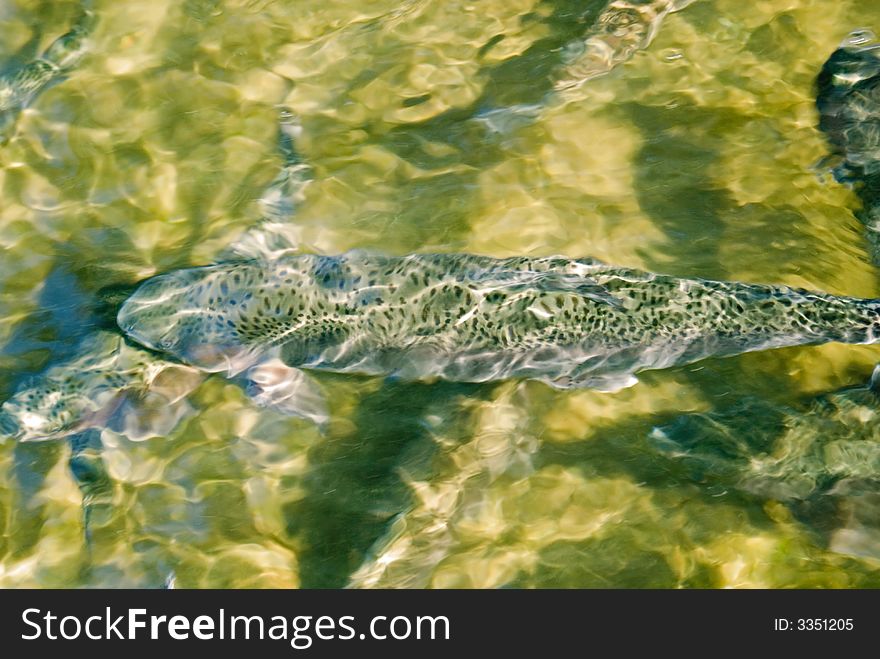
{"type": "Point", "coordinates": [698, 157]}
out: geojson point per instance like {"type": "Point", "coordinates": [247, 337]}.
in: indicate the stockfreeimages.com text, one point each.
{"type": "Point", "coordinates": [300, 631]}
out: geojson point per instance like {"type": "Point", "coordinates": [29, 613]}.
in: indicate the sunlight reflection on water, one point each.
{"type": "Point", "coordinates": [696, 157]}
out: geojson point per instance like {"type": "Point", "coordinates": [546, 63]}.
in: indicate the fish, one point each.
{"type": "Point", "coordinates": [610, 34]}
{"type": "Point", "coordinates": [813, 462]}
{"type": "Point", "coordinates": [570, 323]}
{"type": "Point", "coordinates": [623, 28]}
{"type": "Point", "coordinates": [106, 384]}
{"type": "Point", "coordinates": [19, 87]}
{"type": "Point", "coordinates": [109, 382]}
{"type": "Point", "coordinates": [848, 101]}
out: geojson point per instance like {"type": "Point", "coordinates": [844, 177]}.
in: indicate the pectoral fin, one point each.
{"type": "Point", "coordinates": [288, 390]}
{"type": "Point", "coordinates": [149, 415]}
{"type": "Point", "coordinates": [160, 407]}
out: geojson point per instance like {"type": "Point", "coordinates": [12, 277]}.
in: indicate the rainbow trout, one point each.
{"type": "Point", "coordinates": [566, 322]}
{"type": "Point", "coordinates": [109, 384]}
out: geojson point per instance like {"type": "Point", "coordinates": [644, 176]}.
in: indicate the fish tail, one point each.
{"type": "Point", "coordinates": [8, 425]}
{"type": "Point", "coordinates": [286, 192]}
{"type": "Point", "coordinates": [69, 49]}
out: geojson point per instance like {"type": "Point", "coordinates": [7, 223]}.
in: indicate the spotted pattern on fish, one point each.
{"type": "Point", "coordinates": [80, 393]}
{"type": "Point", "coordinates": [88, 390]}
{"type": "Point", "coordinates": [567, 322]}
{"type": "Point", "coordinates": [19, 88]}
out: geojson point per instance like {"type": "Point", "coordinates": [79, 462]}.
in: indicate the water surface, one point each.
{"type": "Point", "coordinates": [698, 157]}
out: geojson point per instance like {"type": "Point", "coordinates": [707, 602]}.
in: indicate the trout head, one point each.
{"type": "Point", "coordinates": [191, 315]}
{"type": "Point", "coordinates": [70, 397]}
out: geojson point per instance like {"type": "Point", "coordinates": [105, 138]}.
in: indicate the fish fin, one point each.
{"type": "Point", "coordinates": [875, 380]}
{"type": "Point", "coordinates": [150, 415]}
{"type": "Point", "coordinates": [276, 234]}
{"type": "Point", "coordinates": [610, 383]}
{"type": "Point", "coordinates": [161, 408]}
{"type": "Point", "coordinates": [89, 470]}
{"type": "Point", "coordinates": [288, 390]}
{"type": "Point", "coordinates": [264, 240]}
{"type": "Point", "coordinates": [551, 282]}
{"type": "Point", "coordinates": [506, 120]}
{"type": "Point", "coordinates": [175, 381]}
{"type": "Point", "coordinates": [585, 286]}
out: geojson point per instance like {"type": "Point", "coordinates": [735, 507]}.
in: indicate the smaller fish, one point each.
{"type": "Point", "coordinates": [107, 384]}
{"type": "Point", "coordinates": [622, 29]}
{"type": "Point", "coordinates": [110, 383]}
{"type": "Point", "coordinates": [848, 100]}
{"type": "Point", "coordinates": [21, 86]}
{"type": "Point", "coordinates": [460, 317]}
{"type": "Point", "coordinates": [786, 454]}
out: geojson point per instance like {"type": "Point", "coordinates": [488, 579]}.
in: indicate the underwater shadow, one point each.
{"type": "Point", "coordinates": [746, 455]}
{"type": "Point", "coordinates": [355, 488]}
{"type": "Point", "coordinates": [673, 185]}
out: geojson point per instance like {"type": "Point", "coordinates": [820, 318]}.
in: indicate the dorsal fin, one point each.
{"type": "Point", "coordinates": [268, 239]}
{"type": "Point", "coordinates": [275, 234]}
